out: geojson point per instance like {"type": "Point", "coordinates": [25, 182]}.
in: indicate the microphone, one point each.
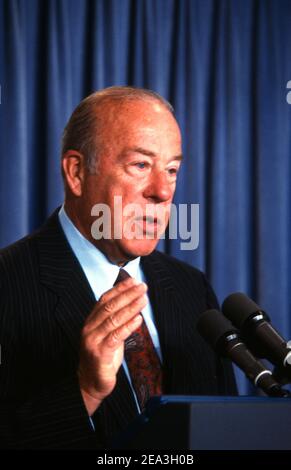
{"type": "Point", "coordinates": [224, 338]}
{"type": "Point", "coordinates": [256, 330]}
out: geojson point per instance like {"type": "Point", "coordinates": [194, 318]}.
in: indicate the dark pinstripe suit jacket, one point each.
{"type": "Point", "coordinates": [44, 300]}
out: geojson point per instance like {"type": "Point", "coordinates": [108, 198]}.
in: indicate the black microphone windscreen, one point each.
{"type": "Point", "coordinates": [212, 325]}
{"type": "Point", "coordinates": [223, 337]}
{"type": "Point", "coordinates": [238, 307]}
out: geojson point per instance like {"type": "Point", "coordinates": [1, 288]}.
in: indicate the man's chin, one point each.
{"type": "Point", "coordinates": [135, 248]}
{"type": "Point", "coordinates": [131, 249]}
{"type": "Point", "coordinates": [122, 251]}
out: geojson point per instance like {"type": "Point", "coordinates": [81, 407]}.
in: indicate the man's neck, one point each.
{"type": "Point", "coordinates": [114, 258]}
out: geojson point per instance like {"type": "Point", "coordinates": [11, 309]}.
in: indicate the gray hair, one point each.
{"type": "Point", "coordinates": [84, 126]}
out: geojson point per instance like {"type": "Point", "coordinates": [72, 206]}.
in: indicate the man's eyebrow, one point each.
{"type": "Point", "coordinates": [149, 153]}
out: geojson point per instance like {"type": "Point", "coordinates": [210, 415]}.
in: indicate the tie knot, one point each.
{"type": "Point", "coordinates": [122, 275]}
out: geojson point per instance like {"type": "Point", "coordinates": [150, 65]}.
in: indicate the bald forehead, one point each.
{"type": "Point", "coordinates": [111, 104]}
{"type": "Point", "coordinates": [112, 112]}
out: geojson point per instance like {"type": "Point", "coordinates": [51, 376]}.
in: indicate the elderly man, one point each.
{"type": "Point", "coordinates": [75, 303]}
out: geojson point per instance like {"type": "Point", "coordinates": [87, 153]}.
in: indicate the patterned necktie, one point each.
{"type": "Point", "coordinates": [142, 360]}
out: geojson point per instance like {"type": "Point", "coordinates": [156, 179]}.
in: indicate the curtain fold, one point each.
{"type": "Point", "coordinates": [223, 64]}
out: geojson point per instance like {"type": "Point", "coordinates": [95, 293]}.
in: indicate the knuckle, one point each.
{"type": "Point", "coordinates": [93, 342]}
{"type": "Point", "coordinates": [112, 321]}
{"type": "Point", "coordinates": [85, 330]}
{"type": "Point", "coordinates": [109, 306]}
{"type": "Point", "coordinates": [115, 336]}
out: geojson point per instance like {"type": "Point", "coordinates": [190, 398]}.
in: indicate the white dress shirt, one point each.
{"type": "Point", "coordinates": [101, 275]}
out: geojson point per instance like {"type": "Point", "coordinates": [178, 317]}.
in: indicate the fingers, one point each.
{"type": "Point", "coordinates": [110, 294]}
{"type": "Point", "coordinates": [115, 338]}
{"type": "Point", "coordinates": [115, 317]}
{"type": "Point", "coordinates": [114, 323]}
{"type": "Point", "coordinates": [120, 287]}
{"type": "Point", "coordinates": [116, 308]}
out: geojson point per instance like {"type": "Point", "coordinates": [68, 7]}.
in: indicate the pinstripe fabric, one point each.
{"type": "Point", "coordinates": [44, 300]}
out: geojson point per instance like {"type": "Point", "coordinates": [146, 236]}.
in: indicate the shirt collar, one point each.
{"type": "Point", "coordinates": [100, 272]}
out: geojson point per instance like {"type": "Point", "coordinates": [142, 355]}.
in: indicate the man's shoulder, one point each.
{"type": "Point", "coordinates": [189, 283]}
{"type": "Point", "coordinates": [17, 250]}
{"type": "Point", "coordinates": [23, 252]}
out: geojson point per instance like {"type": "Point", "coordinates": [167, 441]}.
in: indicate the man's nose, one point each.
{"type": "Point", "coordinates": [159, 188]}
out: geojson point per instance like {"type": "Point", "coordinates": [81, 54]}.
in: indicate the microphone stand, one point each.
{"type": "Point", "coordinates": [282, 374]}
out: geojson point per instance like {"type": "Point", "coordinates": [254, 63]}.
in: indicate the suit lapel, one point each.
{"type": "Point", "coordinates": [61, 272]}
{"type": "Point", "coordinates": [168, 317]}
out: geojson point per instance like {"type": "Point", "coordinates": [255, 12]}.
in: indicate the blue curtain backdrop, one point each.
{"type": "Point", "coordinates": [223, 64]}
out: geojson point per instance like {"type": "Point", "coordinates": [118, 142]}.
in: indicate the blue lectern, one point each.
{"type": "Point", "coordinates": [211, 423]}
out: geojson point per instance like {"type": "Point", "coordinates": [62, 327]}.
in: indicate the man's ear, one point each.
{"type": "Point", "coordinates": [73, 168]}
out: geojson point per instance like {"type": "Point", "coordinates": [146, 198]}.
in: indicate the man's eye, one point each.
{"type": "Point", "coordinates": [141, 165]}
{"type": "Point", "coordinates": [173, 171]}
